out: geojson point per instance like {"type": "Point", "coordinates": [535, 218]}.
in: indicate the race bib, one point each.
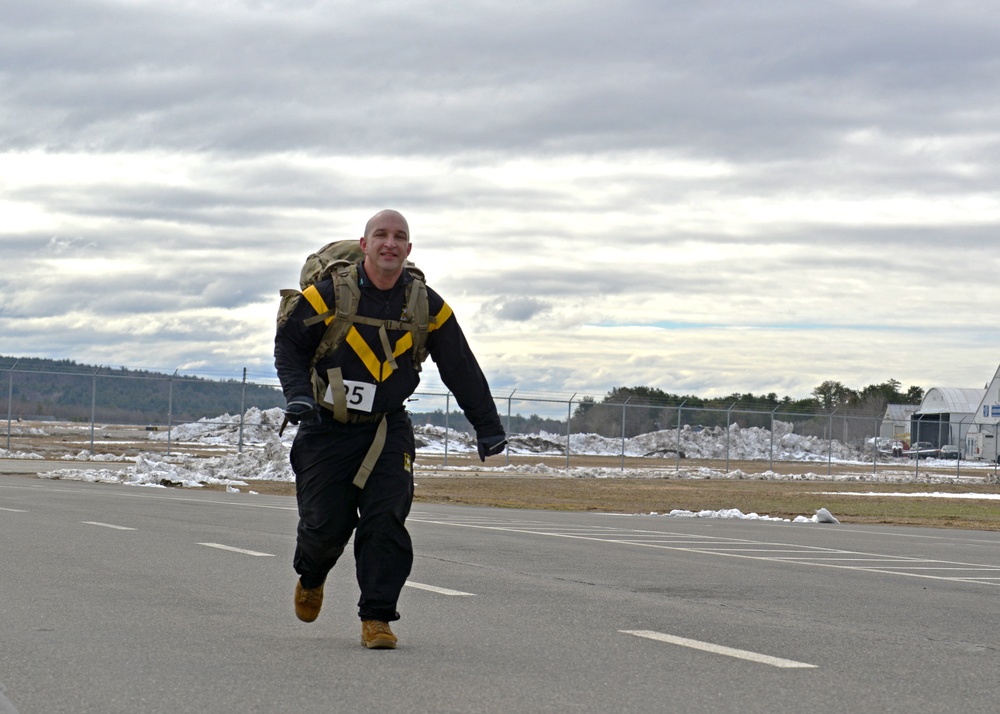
{"type": "Point", "coordinates": [360, 395]}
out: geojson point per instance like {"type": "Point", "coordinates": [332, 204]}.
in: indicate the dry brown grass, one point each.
{"type": "Point", "coordinates": [785, 499]}
{"type": "Point", "coordinates": [772, 498]}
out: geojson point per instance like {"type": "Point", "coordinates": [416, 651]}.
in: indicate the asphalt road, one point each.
{"type": "Point", "coordinates": [126, 599]}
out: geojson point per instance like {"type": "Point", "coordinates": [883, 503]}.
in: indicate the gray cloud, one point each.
{"type": "Point", "coordinates": [661, 183]}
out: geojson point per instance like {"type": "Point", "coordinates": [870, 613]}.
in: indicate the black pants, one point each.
{"type": "Point", "coordinates": [325, 459]}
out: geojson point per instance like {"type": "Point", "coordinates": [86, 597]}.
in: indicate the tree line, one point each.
{"type": "Point", "coordinates": [630, 411]}
{"type": "Point", "coordinates": [64, 389]}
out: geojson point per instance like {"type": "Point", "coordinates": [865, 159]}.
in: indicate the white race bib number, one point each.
{"type": "Point", "coordinates": [360, 395]}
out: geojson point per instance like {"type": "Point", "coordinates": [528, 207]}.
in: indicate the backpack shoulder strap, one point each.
{"type": "Point", "coordinates": [341, 317]}
{"type": "Point", "coordinates": [418, 312]}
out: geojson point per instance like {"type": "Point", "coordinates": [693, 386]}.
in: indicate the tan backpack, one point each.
{"type": "Point", "coordinates": [338, 260]}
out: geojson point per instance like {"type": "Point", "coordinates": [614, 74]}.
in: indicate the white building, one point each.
{"type": "Point", "coordinates": [981, 439]}
{"type": "Point", "coordinates": [895, 424]}
{"type": "Point", "coordinates": [945, 415]}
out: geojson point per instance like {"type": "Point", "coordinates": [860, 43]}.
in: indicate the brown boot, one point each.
{"type": "Point", "coordinates": [308, 602]}
{"type": "Point", "coordinates": [376, 635]}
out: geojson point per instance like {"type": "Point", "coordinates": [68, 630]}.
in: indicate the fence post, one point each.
{"type": "Point", "coordinates": [771, 456]}
{"type": "Point", "coordinates": [93, 406]}
{"type": "Point", "coordinates": [624, 404]}
{"type": "Point", "coordinates": [243, 407]}
{"type": "Point", "coordinates": [996, 449]}
{"type": "Point", "coordinates": [447, 411]}
{"type": "Point", "coordinates": [875, 449]}
{"type": "Point", "coordinates": [728, 415]}
{"type": "Point", "coordinates": [506, 450]}
{"type": "Point", "coordinates": [959, 441]}
{"type": "Point", "coordinates": [679, 407]}
{"type": "Point", "coordinates": [170, 409]}
{"type": "Point", "coordinates": [829, 448]}
{"type": "Point", "coordinates": [10, 398]}
{"type": "Point", "coordinates": [569, 419]}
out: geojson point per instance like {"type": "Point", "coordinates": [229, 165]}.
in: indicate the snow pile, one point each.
{"type": "Point", "coordinates": [725, 513]}
{"type": "Point", "coordinates": [258, 427]}
{"type": "Point", "coordinates": [87, 456]}
{"type": "Point", "coordinates": [821, 516]}
{"type": "Point", "coordinates": [5, 454]}
{"type": "Point", "coordinates": [268, 461]}
{"type": "Point", "coordinates": [710, 443]}
{"type": "Point", "coordinates": [753, 443]}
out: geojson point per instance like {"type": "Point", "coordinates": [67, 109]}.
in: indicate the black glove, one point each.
{"type": "Point", "coordinates": [302, 410]}
{"type": "Point", "coordinates": [491, 445]}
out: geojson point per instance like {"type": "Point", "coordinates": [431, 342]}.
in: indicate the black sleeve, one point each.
{"type": "Point", "coordinates": [295, 344]}
{"type": "Point", "coordinates": [462, 375]}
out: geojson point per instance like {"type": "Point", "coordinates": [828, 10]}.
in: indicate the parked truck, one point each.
{"type": "Point", "coordinates": [981, 445]}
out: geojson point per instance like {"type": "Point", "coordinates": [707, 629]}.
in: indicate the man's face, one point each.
{"type": "Point", "coordinates": [387, 244]}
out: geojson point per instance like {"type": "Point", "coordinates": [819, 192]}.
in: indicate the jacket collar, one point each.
{"type": "Point", "coordinates": [365, 282]}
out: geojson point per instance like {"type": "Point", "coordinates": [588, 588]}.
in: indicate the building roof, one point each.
{"type": "Point", "coordinates": [951, 400]}
{"type": "Point", "coordinates": [899, 412]}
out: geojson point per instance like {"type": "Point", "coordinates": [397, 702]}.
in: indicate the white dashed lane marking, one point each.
{"type": "Point", "coordinates": [107, 525]}
{"type": "Point", "coordinates": [720, 649]}
{"type": "Point", "coordinates": [243, 551]}
{"type": "Point", "coordinates": [439, 591]}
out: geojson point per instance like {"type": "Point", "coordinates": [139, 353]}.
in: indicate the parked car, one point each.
{"type": "Point", "coordinates": [949, 451]}
{"type": "Point", "coordinates": [922, 450]}
{"type": "Point", "coordinates": [889, 447]}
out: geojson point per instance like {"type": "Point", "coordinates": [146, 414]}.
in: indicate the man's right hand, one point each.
{"type": "Point", "coordinates": [302, 411]}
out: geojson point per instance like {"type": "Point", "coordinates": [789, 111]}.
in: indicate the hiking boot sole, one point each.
{"type": "Point", "coordinates": [379, 643]}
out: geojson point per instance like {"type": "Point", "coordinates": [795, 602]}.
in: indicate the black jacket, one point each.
{"type": "Point", "coordinates": [365, 361]}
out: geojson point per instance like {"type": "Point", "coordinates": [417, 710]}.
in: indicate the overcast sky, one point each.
{"type": "Point", "coordinates": [704, 197]}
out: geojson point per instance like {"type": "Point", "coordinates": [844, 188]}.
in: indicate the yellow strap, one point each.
{"type": "Point", "coordinates": [318, 303]}
{"type": "Point", "coordinates": [364, 352]}
{"type": "Point", "coordinates": [379, 370]}
{"type": "Point", "coordinates": [371, 458]}
{"type": "Point", "coordinates": [440, 318]}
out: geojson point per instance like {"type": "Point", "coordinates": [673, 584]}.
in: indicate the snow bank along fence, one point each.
{"type": "Point", "coordinates": [578, 425]}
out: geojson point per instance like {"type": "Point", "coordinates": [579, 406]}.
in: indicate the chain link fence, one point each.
{"type": "Point", "coordinates": [103, 403]}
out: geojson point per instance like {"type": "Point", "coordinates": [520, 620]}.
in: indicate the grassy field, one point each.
{"type": "Point", "coordinates": [784, 499]}
{"type": "Point", "coordinates": [771, 498]}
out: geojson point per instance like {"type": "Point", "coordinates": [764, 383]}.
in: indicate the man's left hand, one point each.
{"type": "Point", "coordinates": [491, 445]}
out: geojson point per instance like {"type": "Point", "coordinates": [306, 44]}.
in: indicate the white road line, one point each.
{"type": "Point", "coordinates": [107, 525]}
{"type": "Point", "coordinates": [741, 549]}
{"type": "Point", "coordinates": [238, 550]}
{"type": "Point", "coordinates": [902, 559]}
{"type": "Point", "coordinates": [13, 510]}
{"type": "Point", "coordinates": [720, 649]}
{"type": "Point", "coordinates": [973, 568]}
{"type": "Point", "coordinates": [815, 556]}
{"type": "Point", "coordinates": [439, 591]}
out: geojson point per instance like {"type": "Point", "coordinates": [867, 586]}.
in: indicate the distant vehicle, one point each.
{"type": "Point", "coordinates": [922, 450]}
{"type": "Point", "coordinates": [889, 447]}
{"type": "Point", "coordinates": [949, 451]}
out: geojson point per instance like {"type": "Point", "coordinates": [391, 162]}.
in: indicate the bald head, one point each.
{"type": "Point", "coordinates": [382, 217]}
{"type": "Point", "coordinates": [386, 245]}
